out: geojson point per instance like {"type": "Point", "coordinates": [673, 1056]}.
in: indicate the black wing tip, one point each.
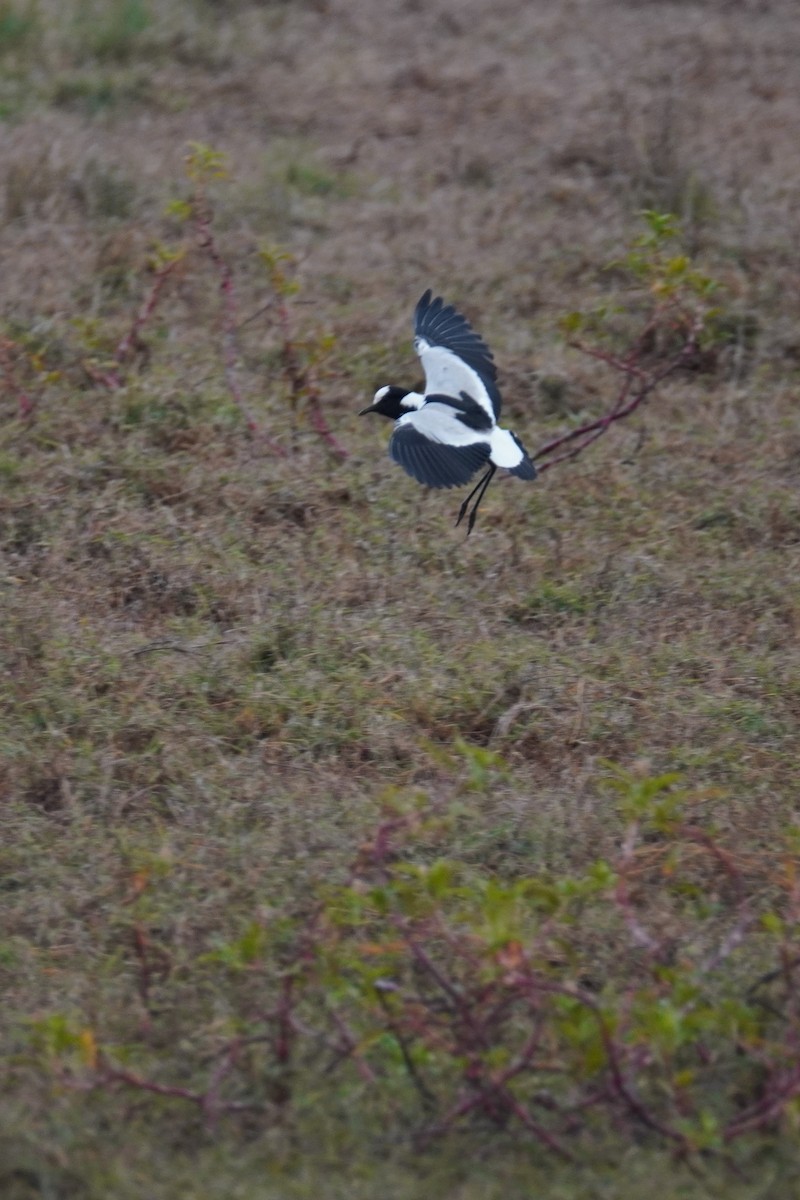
{"type": "Point", "coordinates": [432, 311]}
{"type": "Point", "coordinates": [441, 324]}
{"type": "Point", "coordinates": [424, 304]}
{"type": "Point", "coordinates": [527, 468]}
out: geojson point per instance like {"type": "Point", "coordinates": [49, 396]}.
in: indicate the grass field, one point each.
{"type": "Point", "coordinates": [272, 730]}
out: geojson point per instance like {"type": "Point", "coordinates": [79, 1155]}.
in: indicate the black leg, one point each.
{"type": "Point", "coordinates": [481, 494]}
{"type": "Point", "coordinates": [480, 488]}
{"type": "Point", "coordinates": [465, 505]}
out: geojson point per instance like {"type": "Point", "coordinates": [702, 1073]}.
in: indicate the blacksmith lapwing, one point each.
{"type": "Point", "coordinates": [446, 434]}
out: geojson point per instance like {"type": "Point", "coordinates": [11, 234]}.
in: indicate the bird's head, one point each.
{"type": "Point", "coordinates": [388, 402]}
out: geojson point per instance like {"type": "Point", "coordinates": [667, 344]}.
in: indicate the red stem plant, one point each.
{"type": "Point", "coordinates": [300, 357]}
{"type": "Point", "coordinates": [675, 332]}
{"type": "Point", "coordinates": [23, 375]}
{"type": "Point", "coordinates": [676, 329]}
{"type": "Point", "coordinates": [621, 996]}
{"type": "Point", "coordinates": [25, 404]}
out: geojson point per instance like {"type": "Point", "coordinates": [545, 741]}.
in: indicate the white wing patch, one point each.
{"type": "Point", "coordinates": [448, 375]}
{"type": "Point", "coordinates": [441, 424]}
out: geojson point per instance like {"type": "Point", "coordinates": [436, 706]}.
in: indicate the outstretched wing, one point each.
{"type": "Point", "coordinates": [454, 358]}
{"type": "Point", "coordinates": [437, 448]}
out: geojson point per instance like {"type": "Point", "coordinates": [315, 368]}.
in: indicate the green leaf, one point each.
{"type": "Point", "coordinates": [181, 209]}
{"type": "Point", "coordinates": [439, 878]}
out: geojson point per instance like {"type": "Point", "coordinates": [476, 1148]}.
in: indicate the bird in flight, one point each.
{"type": "Point", "coordinates": [447, 433]}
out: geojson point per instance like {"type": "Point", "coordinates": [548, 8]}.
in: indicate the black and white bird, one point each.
{"type": "Point", "coordinates": [443, 435]}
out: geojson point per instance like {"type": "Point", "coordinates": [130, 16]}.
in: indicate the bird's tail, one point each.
{"type": "Point", "coordinates": [524, 469]}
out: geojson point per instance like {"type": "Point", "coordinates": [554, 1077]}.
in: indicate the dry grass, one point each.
{"type": "Point", "coordinates": [218, 663]}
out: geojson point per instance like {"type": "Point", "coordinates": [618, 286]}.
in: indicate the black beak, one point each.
{"type": "Point", "coordinates": [367, 410]}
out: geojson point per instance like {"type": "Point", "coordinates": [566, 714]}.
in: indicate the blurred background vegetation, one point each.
{"type": "Point", "coordinates": [236, 641]}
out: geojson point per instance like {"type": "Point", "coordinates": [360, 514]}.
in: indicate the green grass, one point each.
{"type": "Point", "coordinates": [224, 668]}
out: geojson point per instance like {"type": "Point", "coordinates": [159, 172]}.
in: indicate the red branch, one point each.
{"type": "Point", "coordinates": [623, 405]}
{"type": "Point", "coordinates": [145, 973]}
{"type": "Point", "coordinates": [458, 1007]}
{"type": "Point", "coordinates": [767, 1109]}
{"type": "Point", "coordinates": [639, 935]}
{"type": "Point", "coordinates": [618, 1081]}
{"type": "Point", "coordinates": [321, 425]}
{"type": "Point", "coordinates": [107, 379]}
{"type": "Point", "coordinates": [230, 352]}
{"type": "Point", "coordinates": [542, 1134]}
{"type": "Point", "coordinates": [496, 1089]}
{"type": "Point", "coordinates": [26, 404]}
{"type": "Point", "coordinates": [349, 1047]}
{"type": "Point", "coordinates": [284, 1036]}
{"type": "Point", "coordinates": [208, 1101]}
{"type": "Point", "coordinates": [299, 384]}
{"type": "Point", "coordinates": [131, 339]}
